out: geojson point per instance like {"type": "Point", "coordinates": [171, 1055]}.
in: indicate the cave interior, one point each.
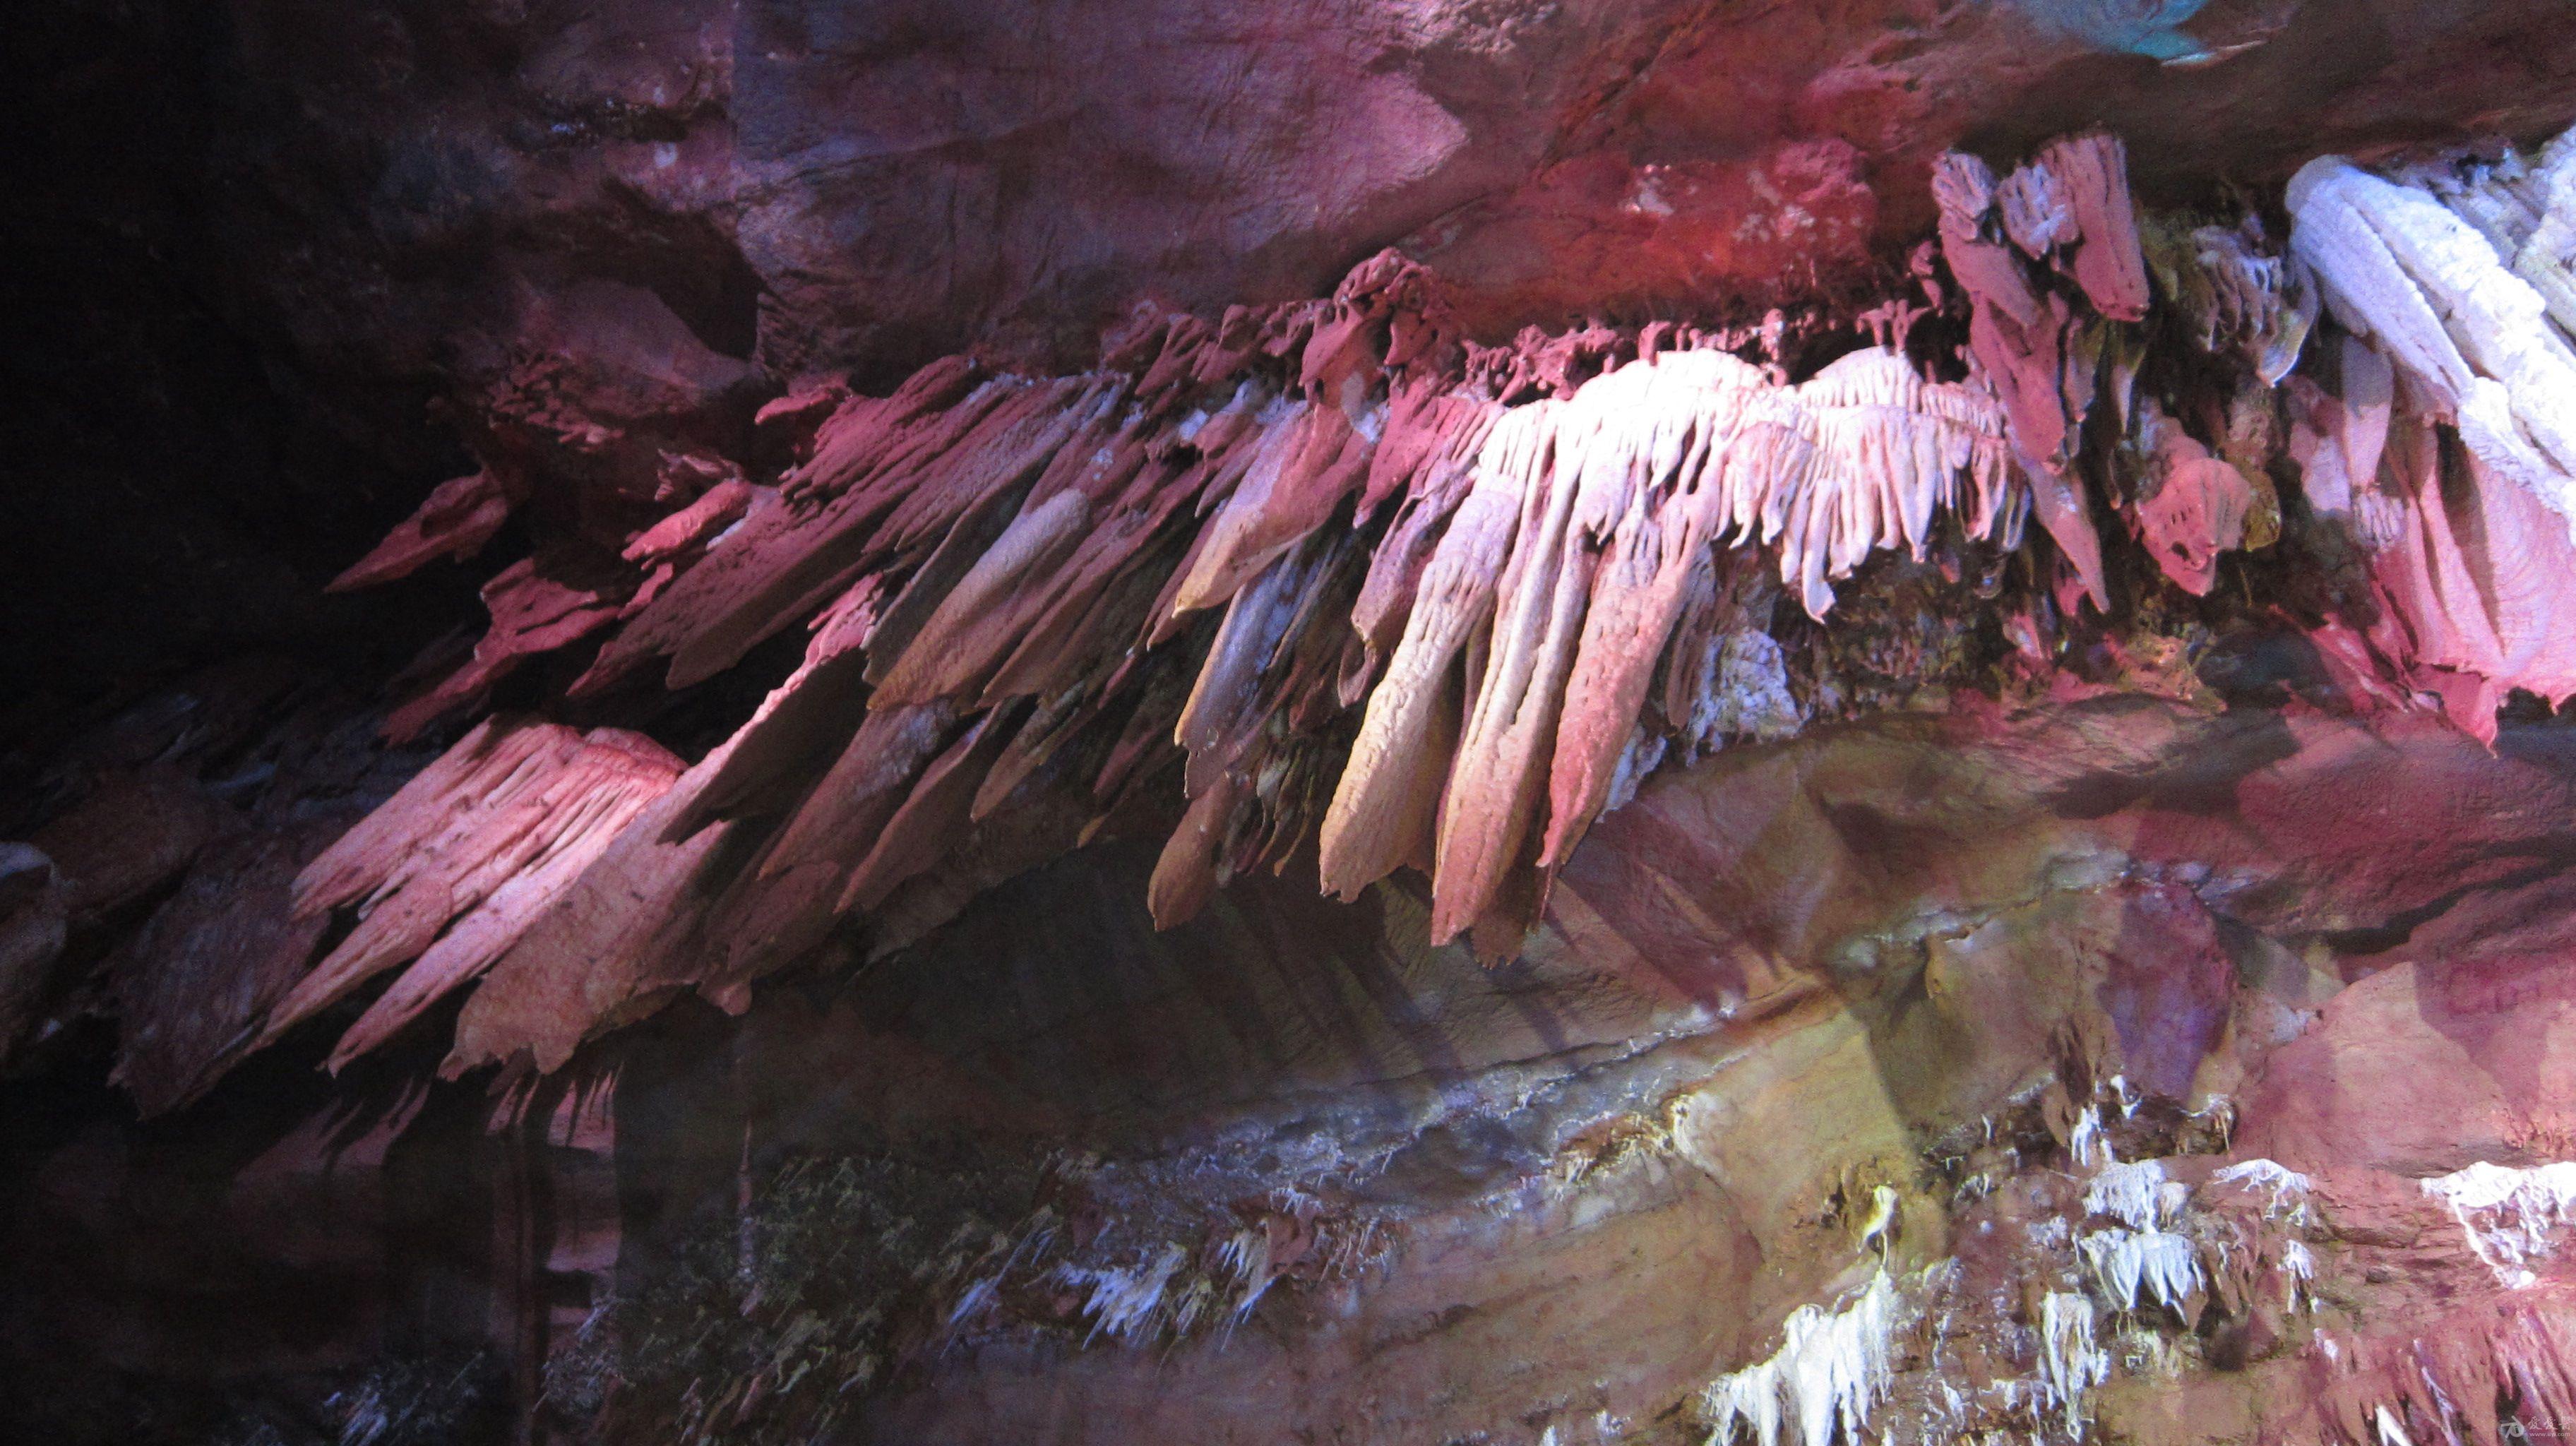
{"type": "Point", "coordinates": [1342, 721]}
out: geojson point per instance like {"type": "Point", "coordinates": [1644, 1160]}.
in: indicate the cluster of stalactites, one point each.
{"type": "Point", "coordinates": [1585, 532]}
{"type": "Point", "coordinates": [449, 873]}
{"type": "Point", "coordinates": [1333, 576]}
{"type": "Point", "coordinates": [2460, 298]}
{"type": "Point", "coordinates": [1229, 547]}
{"type": "Point", "coordinates": [2061, 269]}
{"type": "Point", "coordinates": [1536, 561]}
{"type": "Point", "coordinates": [2442, 430]}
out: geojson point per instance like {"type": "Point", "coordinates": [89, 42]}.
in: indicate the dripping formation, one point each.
{"type": "Point", "coordinates": [1343, 587]}
{"type": "Point", "coordinates": [2457, 369]}
{"type": "Point", "coordinates": [1012, 583]}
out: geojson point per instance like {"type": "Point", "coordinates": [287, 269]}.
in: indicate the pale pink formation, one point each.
{"type": "Point", "coordinates": [2099, 230]}
{"type": "Point", "coordinates": [1383, 808]}
{"type": "Point", "coordinates": [2338, 437]}
{"type": "Point", "coordinates": [2479, 578]}
{"type": "Point", "coordinates": [2040, 348]}
{"type": "Point", "coordinates": [1328, 574]}
{"type": "Point", "coordinates": [454, 521]}
{"type": "Point", "coordinates": [1013, 584]}
{"type": "Point", "coordinates": [2449, 438]}
{"type": "Point", "coordinates": [1609, 501]}
{"type": "Point", "coordinates": [457, 865]}
{"type": "Point", "coordinates": [2195, 511]}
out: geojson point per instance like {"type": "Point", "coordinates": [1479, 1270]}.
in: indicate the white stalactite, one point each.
{"type": "Point", "coordinates": [2069, 1362]}
{"type": "Point", "coordinates": [2475, 340]}
{"type": "Point", "coordinates": [2137, 1195]}
{"type": "Point", "coordinates": [1128, 1302]}
{"type": "Point", "coordinates": [1831, 1370]}
{"type": "Point", "coordinates": [2287, 1187]}
{"type": "Point", "coordinates": [2509, 1214]}
{"type": "Point", "coordinates": [2135, 1265]}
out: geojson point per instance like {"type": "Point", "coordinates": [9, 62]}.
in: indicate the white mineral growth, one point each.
{"type": "Point", "coordinates": [1125, 1302]}
{"type": "Point", "coordinates": [2287, 1188]}
{"type": "Point", "coordinates": [1830, 1371]}
{"type": "Point", "coordinates": [1879, 1231]}
{"type": "Point", "coordinates": [2134, 1265]}
{"type": "Point", "coordinates": [1744, 689]}
{"type": "Point", "coordinates": [1246, 1255]}
{"type": "Point", "coordinates": [2086, 1141]}
{"type": "Point", "coordinates": [2299, 1264]}
{"type": "Point", "coordinates": [2069, 1362]}
{"type": "Point", "coordinates": [2137, 1195]}
{"type": "Point", "coordinates": [2431, 291]}
{"type": "Point", "coordinates": [1643, 755]}
{"type": "Point", "coordinates": [2509, 1213]}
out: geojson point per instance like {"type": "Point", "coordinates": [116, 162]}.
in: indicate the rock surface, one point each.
{"type": "Point", "coordinates": [1289, 1168]}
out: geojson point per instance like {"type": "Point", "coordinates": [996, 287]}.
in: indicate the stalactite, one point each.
{"type": "Point", "coordinates": [2509, 1214]}
{"type": "Point", "coordinates": [2477, 354]}
{"type": "Point", "coordinates": [2422, 284]}
{"type": "Point", "coordinates": [1831, 1370]}
{"type": "Point", "coordinates": [455, 867]}
{"type": "Point", "coordinates": [1333, 520]}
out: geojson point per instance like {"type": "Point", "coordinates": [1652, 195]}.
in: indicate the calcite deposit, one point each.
{"type": "Point", "coordinates": [1390, 721]}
